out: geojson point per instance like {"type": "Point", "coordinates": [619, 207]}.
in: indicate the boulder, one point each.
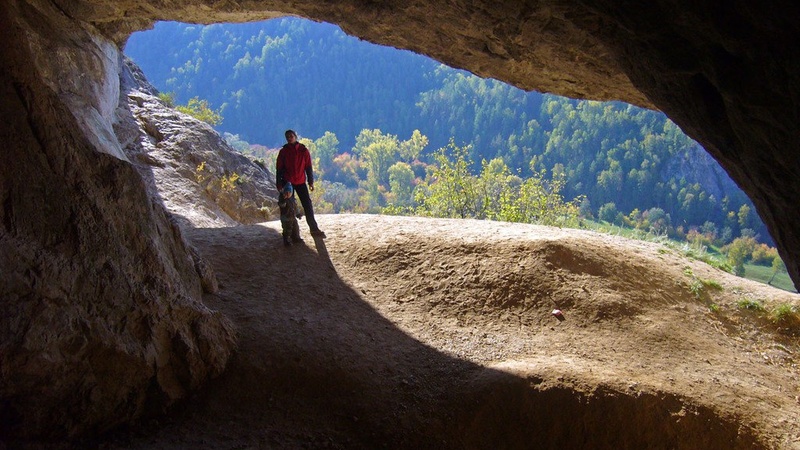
{"type": "Point", "coordinates": [200, 179]}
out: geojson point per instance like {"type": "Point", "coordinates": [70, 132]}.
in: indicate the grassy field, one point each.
{"type": "Point", "coordinates": [763, 274]}
{"type": "Point", "coordinates": [709, 255]}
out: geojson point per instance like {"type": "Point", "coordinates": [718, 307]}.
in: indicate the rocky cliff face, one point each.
{"type": "Point", "coordinates": [101, 297]}
{"type": "Point", "coordinates": [698, 167]}
{"type": "Point", "coordinates": [200, 179]}
{"type": "Point", "coordinates": [102, 314]}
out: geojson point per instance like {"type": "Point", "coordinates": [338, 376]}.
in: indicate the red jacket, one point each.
{"type": "Point", "coordinates": [293, 165]}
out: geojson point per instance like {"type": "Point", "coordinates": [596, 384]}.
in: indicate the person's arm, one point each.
{"type": "Point", "coordinates": [279, 170]}
{"type": "Point", "coordinates": [309, 171]}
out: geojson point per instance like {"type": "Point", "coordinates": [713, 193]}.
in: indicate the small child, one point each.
{"type": "Point", "coordinates": [288, 206]}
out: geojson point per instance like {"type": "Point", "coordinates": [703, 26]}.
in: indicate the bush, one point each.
{"type": "Point", "coordinates": [453, 191]}
{"type": "Point", "coordinates": [608, 213]}
{"type": "Point", "coordinates": [785, 314]}
{"type": "Point", "coordinates": [206, 177]}
{"type": "Point", "coordinates": [168, 98]}
{"type": "Point", "coordinates": [750, 305]}
{"type": "Point", "coordinates": [739, 251]}
{"type": "Point", "coordinates": [201, 110]}
{"type": "Point", "coordinates": [699, 286]}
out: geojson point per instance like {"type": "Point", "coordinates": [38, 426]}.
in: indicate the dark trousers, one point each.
{"type": "Point", "coordinates": [305, 200]}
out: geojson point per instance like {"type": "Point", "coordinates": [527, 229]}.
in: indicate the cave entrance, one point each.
{"type": "Point", "coordinates": [634, 166]}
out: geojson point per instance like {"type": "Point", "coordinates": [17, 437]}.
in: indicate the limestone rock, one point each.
{"type": "Point", "coordinates": [196, 174]}
{"type": "Point", "coordinates": [696, 166]}
{"type": "Point", "coordinates": [102, 313]}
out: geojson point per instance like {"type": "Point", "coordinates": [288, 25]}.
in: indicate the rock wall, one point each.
{"type": "Point", "coordinates": [200, 179]}
{"type": "Point", "coordinates": [102, 319]}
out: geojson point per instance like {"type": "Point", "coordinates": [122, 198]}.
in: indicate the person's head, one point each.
{"type": "Point", "coordinates": [287, 190]}
{"type": "Point", "coordinates": [291, 136]}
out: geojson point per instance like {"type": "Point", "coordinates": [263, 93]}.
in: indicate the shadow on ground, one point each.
{"type": "Point", "coordinates": [318, 367]}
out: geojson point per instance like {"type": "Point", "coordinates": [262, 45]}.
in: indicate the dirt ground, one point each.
{"type": "Point", "coordinates": [399, 332]}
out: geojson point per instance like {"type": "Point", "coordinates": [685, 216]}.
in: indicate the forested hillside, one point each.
{"type": "Point", "coordinates": [632, 165]}
{"type": "Point", "coordinates": [285, 73]}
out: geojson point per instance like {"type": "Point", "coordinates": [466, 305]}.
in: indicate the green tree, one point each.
{"type": "Point", "coordinates": [401, 179]}
{"type": "Point", "coordinates": [377, 151]}
{"type": "Point", "coordinates": [453, 191]}
{"type": "Point", "coordinates": [327, 147]}
{"type": "Point", "coordinates": [611, 179]}
{"type": "Point", "coordinates": [586, 209]}
{"type": "Point", "coordinates": [237, 142]}
{"type": "Point", "coordinates": [608, 212]}
{"type": "Point", "coordinates": [340, 197]}
{"type": "Point", "coordinates": [367, 137]}
{"type": "Point", "coordinates": [745, 217]}
{"type": "Point", "coordinates": [777, 267]}
{"type": "Point", "coordinates": [709, 229]}
{"type": "Point", "coordinates": [411, 149]}
{"type": "Point", "coordinates": [738, 251]}
{"type": "Point", "coordinates": [658, 220]}
{"type": "Point", "coordinates": [201, 110]}
{"type": "Point", "coordinates": [378, 156]}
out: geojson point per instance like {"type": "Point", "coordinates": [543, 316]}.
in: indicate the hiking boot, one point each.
{"type": "Point", "coordinates": [318, 233]}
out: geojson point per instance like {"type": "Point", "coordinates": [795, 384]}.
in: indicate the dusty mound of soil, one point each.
{"type": "Point", "coordinates": [401, 332]}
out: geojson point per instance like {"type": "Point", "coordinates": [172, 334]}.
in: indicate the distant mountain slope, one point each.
{"type": "Point", "coordinates": [285, 73]}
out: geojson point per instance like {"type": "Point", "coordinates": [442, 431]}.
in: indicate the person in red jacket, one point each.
{"type": "Point", "coordinates": [294, 166]}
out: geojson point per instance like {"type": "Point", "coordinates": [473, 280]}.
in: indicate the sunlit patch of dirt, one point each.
{"type": "Point", "coordinates": [399, 332]}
